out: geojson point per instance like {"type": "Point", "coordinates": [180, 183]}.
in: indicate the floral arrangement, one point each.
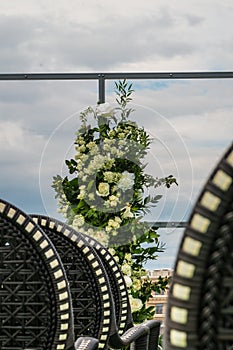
{"type": "Point", "coordinates": [105, 196]}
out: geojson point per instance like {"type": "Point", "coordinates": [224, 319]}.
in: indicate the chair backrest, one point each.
{"type": "Point", "coordinates": [200, 301]}
{"type": "Point", "coordinates": [118, 286]}
{"type": "Point", "coordinates": [93, 310]}
{"type": "Point", "coordinates": [86, 259]}
{"type": "Point", "coordinates": [35, 304]}
{"type": "Point", "coordinates": [123, 312]}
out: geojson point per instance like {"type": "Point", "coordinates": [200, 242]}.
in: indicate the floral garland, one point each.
{"type": "Point", "coordinates": [105, 197]}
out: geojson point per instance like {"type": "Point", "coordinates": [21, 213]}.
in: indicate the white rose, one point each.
{"type": "Point", "coordinates": [126, 269]}
{"type": "Point", "coordinates": [135, 303]}
{"type": "Point", "coordinates": [103, 189]}
{"type": "Point", "coordinates": [104, 110]}
{"type": "Point", "coordinates": [137, 284]}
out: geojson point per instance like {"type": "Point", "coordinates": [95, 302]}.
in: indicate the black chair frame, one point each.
{"type": "Point", "coordinates": [200, 302]}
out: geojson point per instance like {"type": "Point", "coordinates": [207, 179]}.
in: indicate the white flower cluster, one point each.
{"type": "Point", "coordinates": [126, 181]}
{"type": "Point", "coordinates": [104, 110]}
{"type": "Point", "coordinates": [110, 176]}
{"type": "Point", "coordinates": [78, 221]}
{"type": "Point", "coordinates": [131, 282]}
{"type": "Point", "coordinates": [113, 225]}
{"type": "Point", "coordinates": [98, 234]}
{"type": "Point", "coordinates": [107, 193]}
{"type": "Point", "coordinates": [91, 158]}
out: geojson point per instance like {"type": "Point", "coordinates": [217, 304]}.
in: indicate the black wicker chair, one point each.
{"type": "Point", "coordinates": [121, 298]}
{"type": "Point", "coordinates": [87, 280]}
{"type": "Point", "coordinates": [35, 303]}
{"type": "Point", "coordinates": [86, 253]}
{"type": "Point", "coordinates": [200, 302]}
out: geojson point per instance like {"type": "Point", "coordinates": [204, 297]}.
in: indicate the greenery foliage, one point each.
{"type": "Point", "coordinates": [105, 194]}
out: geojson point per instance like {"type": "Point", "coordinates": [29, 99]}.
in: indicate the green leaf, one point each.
{"type": "Point", "coordinates": [90, 185]}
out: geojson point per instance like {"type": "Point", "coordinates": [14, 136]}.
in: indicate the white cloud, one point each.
{"type": "Point", "coordinates": [16, 139]}
{"type": "Point", "coordinates": [123, 35]}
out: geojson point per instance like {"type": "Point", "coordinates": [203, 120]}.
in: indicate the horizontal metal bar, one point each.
{"type": "Point", "coordinates": [110, 76]}
{"type": "Point", "coordinates": [169, 75]}
{"type": "Point", "coordinates": [50, 76]}
{"type": "Point", "coordinates": [168, 224]}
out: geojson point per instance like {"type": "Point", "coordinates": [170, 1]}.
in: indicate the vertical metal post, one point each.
{"type": "Point", "coordinates": [101, 79]}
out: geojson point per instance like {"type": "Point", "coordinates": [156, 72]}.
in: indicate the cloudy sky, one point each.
{"type": "Point", "coordinates": [191, 121]}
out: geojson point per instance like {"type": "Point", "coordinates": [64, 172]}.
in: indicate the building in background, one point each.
{"type": "Point", "coordinates": [159, 301]}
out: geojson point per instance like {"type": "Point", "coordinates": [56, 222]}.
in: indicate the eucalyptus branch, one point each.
{"type": "Point", "coordinates": [124, 91]}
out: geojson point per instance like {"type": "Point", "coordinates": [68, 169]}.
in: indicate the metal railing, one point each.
{"type": "Point", "coordinates": [101, 79]}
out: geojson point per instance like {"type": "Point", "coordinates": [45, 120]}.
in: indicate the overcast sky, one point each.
{"type": "Point", "coordinates": [191, 121]}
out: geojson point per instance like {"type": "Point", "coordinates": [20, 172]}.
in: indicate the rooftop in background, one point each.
{"type": "Point", "coordinates": [160, 272]}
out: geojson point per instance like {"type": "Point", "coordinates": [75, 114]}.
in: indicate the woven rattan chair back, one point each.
{"type": "Point", "coordinates": [89, 252]}
{"type": "Point", "coordinates": [120, 293]}
{"type": "Point", "coordinates": [92, 304]}
{"type": "Point", "coordinates": [200, 302]}
{"type": "Point", "coordinates": [35, 306]}
{"type": "Point", "coordinates": [118, 286]}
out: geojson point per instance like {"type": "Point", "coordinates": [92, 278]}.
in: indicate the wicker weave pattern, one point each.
{"type": "Point", "coordinates": [92, 308]}
{"type": "Point", "coordinates": [199, 312]}
{"type": "Point", "coordinates": [34, 299]}
{"type": "Point", "coordinates": [86, 302]}
{"type": "Point", "coordinates": [217, 299]}
{"type": "Point", "coordinates": [149, 330]}
{"type": "Point", "coordinates": [144, 336]}
{"type": "Point", "coordinates": [118, 286]}
{"type": "Point", "coordinates": [24, 294]}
